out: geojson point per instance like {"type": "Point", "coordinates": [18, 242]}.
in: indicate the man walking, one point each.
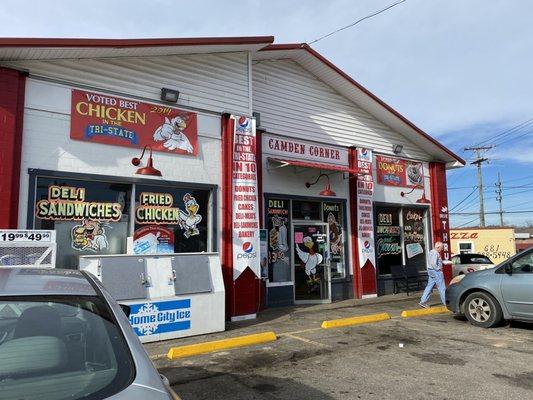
{"type": "Point", "coordinates": [435, 276]}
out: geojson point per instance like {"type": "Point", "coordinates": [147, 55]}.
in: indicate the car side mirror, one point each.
{"type": "Point", "coordinates": [126, 309]}
{"type": "Point", "coordinates": [508, 269]}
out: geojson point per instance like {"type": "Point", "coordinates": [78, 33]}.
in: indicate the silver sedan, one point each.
{"type": "Point", "coordinates": [487, 297]}
{"type": "Point", "coordinates": [62, 336]}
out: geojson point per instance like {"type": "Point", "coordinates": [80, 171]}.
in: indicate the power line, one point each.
{"type": "Point", "coordinates": [467, 223]}
{"type": "Point", "coordinates": [493, 212]}
{"type": "Point", "coordinates": [513, 138]}
{"type": "Point", "coordinates": [509, 130]}
{"type": "Point", "coordinates": [462, 201]}
{"type": "Point", "coordinates": [359, 20]}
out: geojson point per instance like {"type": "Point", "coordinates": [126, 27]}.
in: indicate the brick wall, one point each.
{"type": "Point", "coordinates": [12, 86]}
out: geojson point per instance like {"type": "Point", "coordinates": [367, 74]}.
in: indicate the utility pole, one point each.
{"type": "Point", "coordinates": [477, 162]}
{"type": "Point", "coordinates": [499, 197]}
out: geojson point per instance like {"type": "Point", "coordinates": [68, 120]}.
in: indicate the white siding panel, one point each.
{"type": "Point", "coordinates": [293, 102]}
{"type": "Point", "coordinates": [215, 82]}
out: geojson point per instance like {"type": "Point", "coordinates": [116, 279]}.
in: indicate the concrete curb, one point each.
{"type": "Point", "coordinates": [424, 311]}
{"type": "Point", "coordinates": [224, 344]}
{"type": "Point", "coordinates": [363, 319]}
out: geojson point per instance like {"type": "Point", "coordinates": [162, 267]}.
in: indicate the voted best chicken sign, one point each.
{"type": "Point", "coordinates": [122, 122]}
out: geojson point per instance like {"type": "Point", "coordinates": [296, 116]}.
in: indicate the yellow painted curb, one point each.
{"type": "Point", "coordinates": [224, 344]}
{"type": "Point", "coordinates": [363, 319]}
{"type": "Point", "coordinates": [424, 311]}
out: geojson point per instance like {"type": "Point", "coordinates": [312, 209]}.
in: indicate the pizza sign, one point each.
{"type": "Point", "coordinates": [122, 122]}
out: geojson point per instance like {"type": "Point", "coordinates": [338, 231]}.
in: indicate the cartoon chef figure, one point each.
{"type": "Point", "coordinates": [90, 235]}
{"type": "Point", "coordinates": [172, 132]}
{"type": "Point", "coordinates": [190, 218]}
{"type": "Point", "coordinates": [310, 258]}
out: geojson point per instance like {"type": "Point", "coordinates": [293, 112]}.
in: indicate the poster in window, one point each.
{"type": "Point", "coordinates": [89, 217]}
{"type": "Point", "coordinates": [153, 239]}
{"type": "Point", "coordinates": [278, 224]}
{"type": "Point", "coordinates": [388, 239]}
{"type": "Point", "coordinates": [100, 118]}
{"type": "Point", "coordinates": [175, 219]}
{"type": "Point", "coordinates": [414, 237]}
{"type": "Point", "coordinates": [332, 214]}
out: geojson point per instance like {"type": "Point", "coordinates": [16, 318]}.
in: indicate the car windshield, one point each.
{"type": "Point", "coordinates": [475, 259]}
{"type": "Point", "coordinates": [67, 347]}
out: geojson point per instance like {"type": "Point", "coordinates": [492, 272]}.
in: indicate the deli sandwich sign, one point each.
{"type": "Point", "coordinates": [123, 122]}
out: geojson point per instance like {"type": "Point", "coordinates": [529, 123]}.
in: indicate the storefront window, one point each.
{"type": "Point", "coordinates": [388, 239]}
{"type": "Point", "coordinates": [170, 220]}
{"type": "Point", "coordinates": [88, 217]}
{"type": "Point", "coordinates": [401, 237]}
{"type": "Point", "coordinates": [333, 215]}
{"type": "Point", "coordinates": [93, 217]}
{"type": "Point", "coordinates": [282, 216]}
{"type": "Point", "coordinates": [414, 237]}
{"type": "Point", "coordinates": [278, 225]}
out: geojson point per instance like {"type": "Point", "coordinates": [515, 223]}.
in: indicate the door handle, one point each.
{"type": "Point", "coordinates": [145, 279]}
{"type": "Point", "coordinates": [172, 278]}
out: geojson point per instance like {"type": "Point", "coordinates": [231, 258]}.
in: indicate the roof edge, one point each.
{"type": "Point", "coordinates": [309, 49]}
{"type": "Point", "coordinates": [125, 43]}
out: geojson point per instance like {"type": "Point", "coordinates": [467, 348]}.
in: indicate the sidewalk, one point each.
{"type": "Point", "coordinates": [296, 319]}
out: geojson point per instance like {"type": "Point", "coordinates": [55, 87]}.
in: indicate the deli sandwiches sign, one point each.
{"type": "Point", "coordinates": [309, 151]}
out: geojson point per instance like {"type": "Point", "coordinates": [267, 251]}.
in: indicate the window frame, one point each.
{"type": "Point", "coordinates": [291, 198]}
{"type": "Point", "coordinates": [400, 207]}
{"type": "Point", "coordinates": [212, 231]}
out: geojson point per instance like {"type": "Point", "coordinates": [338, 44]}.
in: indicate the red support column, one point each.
{"type": "Point", "coordinates": [352, 198]}
{"type": "Point", "coordinates": [439, 209]}
{"type": "Point", "coordinates": [226, 231]}
{"type": "Point", "coordinates": [12, 87]}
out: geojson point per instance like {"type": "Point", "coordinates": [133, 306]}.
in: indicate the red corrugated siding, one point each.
{"type": "Point", "coordinates": [12, 86]}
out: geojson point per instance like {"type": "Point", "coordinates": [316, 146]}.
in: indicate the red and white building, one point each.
{"type": "Point", "coordinates": [309, 186]}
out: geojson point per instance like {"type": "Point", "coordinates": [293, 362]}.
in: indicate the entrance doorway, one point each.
{"type": "Point", "coordinates": [311, 262]}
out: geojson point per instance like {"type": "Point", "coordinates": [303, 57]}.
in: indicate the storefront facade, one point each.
{"type": "Point", "coordinates": [342, 186]}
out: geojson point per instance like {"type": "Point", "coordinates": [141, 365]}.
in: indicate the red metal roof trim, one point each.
{"type": "Point", "coordinates": [309, 49]}
{"type": "Point", "coordinates": [309, 164]}
{"type": "Point", "coordinates": [124, 43]}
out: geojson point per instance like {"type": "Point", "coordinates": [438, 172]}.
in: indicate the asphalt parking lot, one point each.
{"type": "Point", "coordinates": [432, 357]}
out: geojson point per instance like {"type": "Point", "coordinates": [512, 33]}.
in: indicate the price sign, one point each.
{"type": "Point", "coordinates": [15, 235]}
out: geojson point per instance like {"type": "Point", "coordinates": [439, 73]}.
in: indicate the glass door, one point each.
{"type": "Point", "coordinates": [311, 261]}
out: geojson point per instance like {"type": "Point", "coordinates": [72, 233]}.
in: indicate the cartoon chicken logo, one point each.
{"type": "Point", "coordinates": [310, 258]}
{"type": "Point", "coordinates": [189, 219]}
{"type": "Point", "coordinates": [172, 132]}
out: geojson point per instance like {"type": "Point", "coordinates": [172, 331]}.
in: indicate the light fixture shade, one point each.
{"type": "Point", "coordinates": [170, 95]}
{"type": "Point", "coordinates": [327, 191]}
{"type": "Point", "coordinates": [149, 168]}
{"type": "Point", "coordinates": [423, 199]}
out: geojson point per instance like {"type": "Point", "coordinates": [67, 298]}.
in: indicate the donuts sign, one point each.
{"type": "Point", "coordinates": [397, 172]}
{"type": "Point", "coordinates": [122, 122]}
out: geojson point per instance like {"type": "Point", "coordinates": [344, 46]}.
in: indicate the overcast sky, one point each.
{"type": "Point", "coordinates": [459, 69]}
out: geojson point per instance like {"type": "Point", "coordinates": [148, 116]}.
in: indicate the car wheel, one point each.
{"type": "Point", "coordinates": [481, 309]}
